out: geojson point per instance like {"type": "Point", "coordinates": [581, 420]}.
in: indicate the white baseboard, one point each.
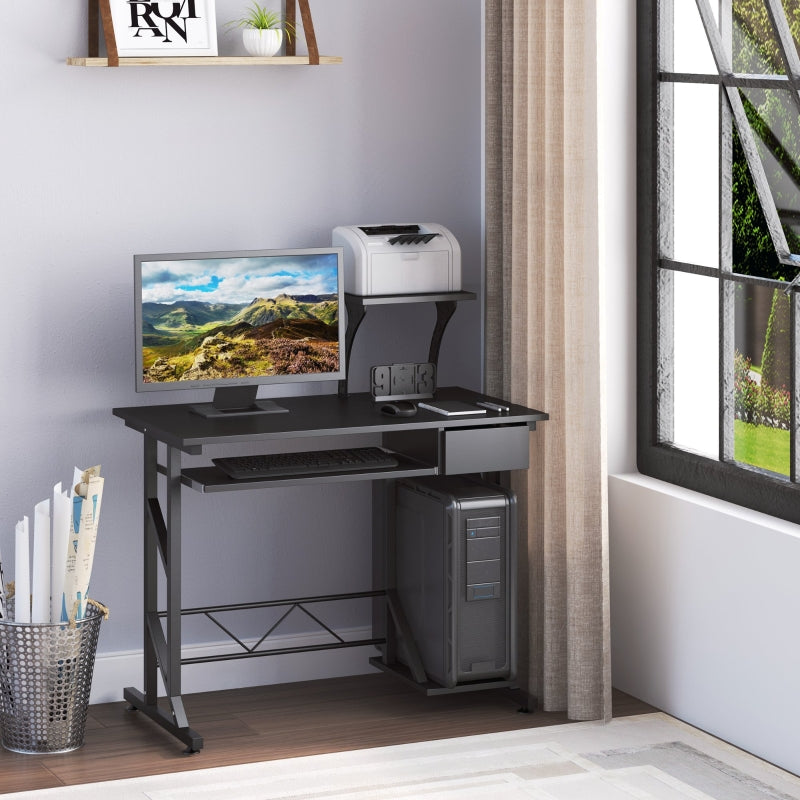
{"type": "Point", "coordinates": [114, 671]}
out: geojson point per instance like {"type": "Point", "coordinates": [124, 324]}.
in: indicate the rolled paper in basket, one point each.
{"type": "Point", "coordinates": [22, 575]}
{"type": "Point", "coordinates": [40, 578]}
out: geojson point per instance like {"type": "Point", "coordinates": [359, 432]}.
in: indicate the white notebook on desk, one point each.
{"type": "Point", "coordinates": [451, 408]}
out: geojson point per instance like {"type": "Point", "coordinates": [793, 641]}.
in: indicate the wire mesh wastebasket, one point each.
{"type": "Point", "coordinates": [45, 679]}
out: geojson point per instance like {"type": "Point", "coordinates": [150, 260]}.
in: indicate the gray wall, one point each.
{"type": "Point", "coordinates": [99, 164]}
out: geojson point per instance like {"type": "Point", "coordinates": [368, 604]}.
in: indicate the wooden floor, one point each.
{"type": "Point", "coordinates": [260, 724]}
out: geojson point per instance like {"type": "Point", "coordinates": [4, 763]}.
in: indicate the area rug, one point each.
{"type": "Point", "coordinates": [647, 757]}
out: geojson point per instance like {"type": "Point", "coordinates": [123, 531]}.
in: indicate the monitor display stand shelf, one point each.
{"type": "Point", "coordinates": [425, 444]}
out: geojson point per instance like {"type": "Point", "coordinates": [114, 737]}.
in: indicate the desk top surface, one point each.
{"type": "Point", "coordinates": [310, 415]}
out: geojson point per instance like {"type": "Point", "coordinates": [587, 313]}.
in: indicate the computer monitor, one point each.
{"type": "Point", "coordinates": [232, 321]}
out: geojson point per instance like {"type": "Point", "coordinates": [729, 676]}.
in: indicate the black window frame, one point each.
{"type": "Point", "coordinates": [721, 478]}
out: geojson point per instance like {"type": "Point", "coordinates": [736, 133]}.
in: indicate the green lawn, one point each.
{"type": "Point", "coordinates": [761, 446]}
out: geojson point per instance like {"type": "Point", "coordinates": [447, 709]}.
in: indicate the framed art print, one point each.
{"type": "Point", "coordinates": [164, 27]}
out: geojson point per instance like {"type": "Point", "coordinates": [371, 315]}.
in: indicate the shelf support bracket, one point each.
{"type": "Point", "coordinates": [356, 310]}
{"type": "Point", "coordinates": [308, 29]}
{"type": "Point", "coordinates": [100, 12]}
{"type": "Point", "coordinates": [444, 310]}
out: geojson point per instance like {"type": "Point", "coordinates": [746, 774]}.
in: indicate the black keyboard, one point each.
{"type": "Point", "coordinates": [271, 465]}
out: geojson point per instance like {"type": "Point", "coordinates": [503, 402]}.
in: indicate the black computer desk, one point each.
{"type": "Point", "coordinates": [425, 444]}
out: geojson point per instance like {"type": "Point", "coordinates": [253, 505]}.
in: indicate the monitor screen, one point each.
{"type": "Point", "coordinates": [235, 320]}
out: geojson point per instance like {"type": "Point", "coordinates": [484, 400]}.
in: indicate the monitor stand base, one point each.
{"type": "Point", "coordinates": [210, 411]}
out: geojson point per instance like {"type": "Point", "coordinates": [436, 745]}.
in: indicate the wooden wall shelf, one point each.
{"type": "Point", "coordinates": [201, 61]}
{"type": "Point", "coordinates": [101, 26]}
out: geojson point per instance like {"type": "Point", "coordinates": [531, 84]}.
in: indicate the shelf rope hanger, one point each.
{"type": "Point", "coordinates": [100, 12]}
{"type": "Point", "coordinates": [308, 29]}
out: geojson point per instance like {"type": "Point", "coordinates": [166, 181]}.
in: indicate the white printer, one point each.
{"type": "Point", "coordinates": [399, 259]}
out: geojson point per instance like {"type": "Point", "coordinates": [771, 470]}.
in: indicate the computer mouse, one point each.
{"type": "Point", "coordinates": [399, 408]}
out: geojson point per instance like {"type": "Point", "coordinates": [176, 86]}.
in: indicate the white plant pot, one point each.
{"type": "Point", "coordinates": [262, 42]}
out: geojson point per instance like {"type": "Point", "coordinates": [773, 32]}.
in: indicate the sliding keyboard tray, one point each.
{"type": "Point", "coordinates": [212, 479]}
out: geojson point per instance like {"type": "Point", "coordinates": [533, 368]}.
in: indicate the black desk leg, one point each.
{"type": "Point", "coordinates": [172, 672]}
{"type": "Point", "coordinates": [150, 568]}
{"type": "Point", "coordinates": [160, 650]}
{"type": "Point", "coordinates": [393, 618]}
{"type": "Point", "coordinates": [379, 566]}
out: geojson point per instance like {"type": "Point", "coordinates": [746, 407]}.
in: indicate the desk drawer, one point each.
{"type": "Point", "coordinates": [485, 449]}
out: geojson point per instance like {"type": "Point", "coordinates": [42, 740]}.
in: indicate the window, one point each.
{"type": "Point", "coordinates": [719, 248]}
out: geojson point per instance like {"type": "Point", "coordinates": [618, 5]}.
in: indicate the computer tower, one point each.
{"type": "Point", "coordinates": [455, 562]}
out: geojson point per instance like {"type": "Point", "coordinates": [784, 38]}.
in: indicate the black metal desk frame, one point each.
{"type": "Point", "coordinates": [423, 446]}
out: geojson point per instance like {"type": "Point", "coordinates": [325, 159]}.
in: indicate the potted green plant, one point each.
{"type": "Point", "coordinates": [262, 30]}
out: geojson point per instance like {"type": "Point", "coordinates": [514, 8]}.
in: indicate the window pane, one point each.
{"type": "Point", "coordinates": [690, 43]}
{"type": "Point", "coordinates": [696, 363]}
{"type": "Point", "coordinates": [773, 117]}
{"type": "Point", "coordinates": [753, 250]}
{"type": "Point", "coordinates": [689, 176]}
{"type": "Point", "coordinates": [762, 375]}
{"type": "Point", "coordinates": [755, 50]}
{"type": "Point", "coordinates": [755, 46]}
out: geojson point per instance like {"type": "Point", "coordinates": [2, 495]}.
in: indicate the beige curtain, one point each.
{"type": "Point", "coordinates": [543, 334]}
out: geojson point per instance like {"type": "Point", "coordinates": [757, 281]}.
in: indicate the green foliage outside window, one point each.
{"type": "Point", "coordinates": [774, 120]}
{"type": "Point", "coordinates": [776, 367]}
{"type": "Point", "coordinates": [763, 408]}
{"type": "Point", "coordinates": [754, 41]}
{"type": "Point", "coordinates": [758, 403]}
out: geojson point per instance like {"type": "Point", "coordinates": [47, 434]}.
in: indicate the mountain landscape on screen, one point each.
{"type": "Point", "coordinates": [282, 335]}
